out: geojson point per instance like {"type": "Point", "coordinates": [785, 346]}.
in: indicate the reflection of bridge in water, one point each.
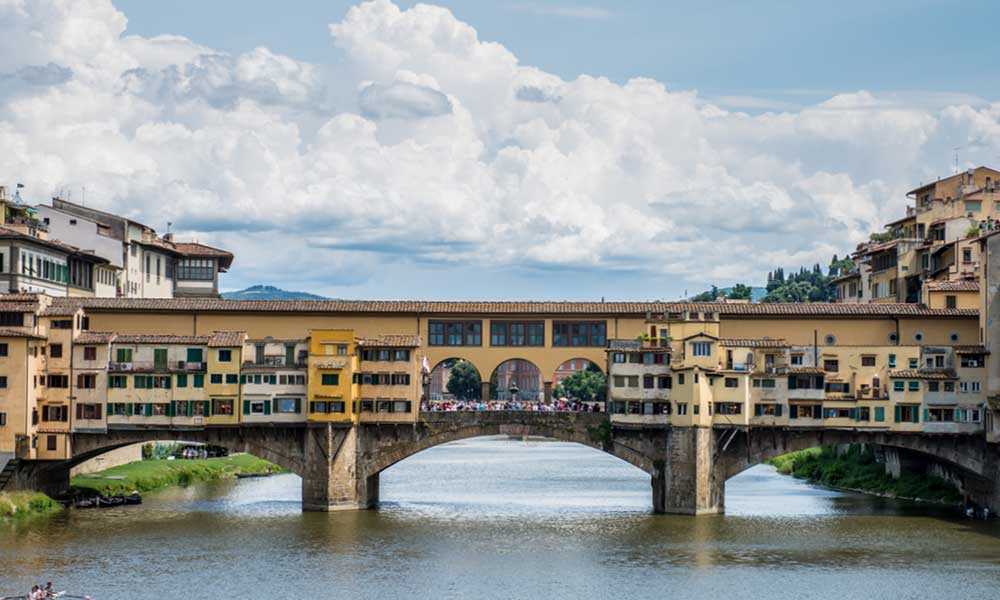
{"type": "Point", "coordinates": [688, 466]}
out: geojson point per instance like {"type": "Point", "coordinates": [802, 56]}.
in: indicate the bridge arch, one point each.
{"type": "Point", "coordinates": [520, 373]}
{"type": "Point", "coordinates": [441, 373]}
{"type": "Point", "coordinates": [384, 449]}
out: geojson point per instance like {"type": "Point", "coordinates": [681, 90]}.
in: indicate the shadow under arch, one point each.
{"type": "Point", "coordinates": [441, 374]}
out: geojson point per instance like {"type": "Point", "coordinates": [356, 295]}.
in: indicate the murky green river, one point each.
{"type": "Point", "coordinates": [493, 518]}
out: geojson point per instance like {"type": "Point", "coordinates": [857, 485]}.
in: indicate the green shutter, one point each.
{"type": "Point", "coordinates": [172, 409]}
{"type": "Point", "coordinates": [190, 408]}
{"type": "Point", "coordinates": [793, 412]}
{"type": "Point", "coordinates": [208, 408]}
{"type": "Point", "coordinates": [149, 409]}
{"type": "Point", "coordinates": [199, 380]}
{"type": "Point", "coordinates": [897, 412]}
{"type": "Point", "coordinates": [267, 407]}
{"type": "Point", "coordinates": [298, 405]}
{"type": "Point", "coordinates": [182, 380]}
{"type": "Point", "coordinates": [246, 407]}
{"type": "Point", "coordinates": [777, 410]}
{"type": "Point", "coordinates": [879, 414]}
{"type": "Point", "coordinates": [140, 382]}
{"type": "Point", "coordinates": [758, 410]}
{"type": "Point", "coordinates": [243, 379]}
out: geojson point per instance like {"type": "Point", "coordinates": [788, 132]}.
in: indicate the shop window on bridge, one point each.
{"type": "Point", "coordinates": [222, 406]}
{"type": "Point", "coordinates": [767, 410]}
{"type": "Point", "coordinates": [728, 408]}
{"type": "Point", "coordinates": [579, 333]}
{"type": "Point", "coordinates": [288, 405]}
{"type": "Point", "coordinates": [322, 407]}
{"type": "Point", "coordinates": [804, 411]}
{"type": "Point", "coordinates": [517, 333]}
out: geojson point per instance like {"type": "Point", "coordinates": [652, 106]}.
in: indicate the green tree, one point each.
{"type": "Point", "coordinates": [464, 382]}
{"type": "Point", "coordinates": [588, 385]}
{"type": "Point", "coordinates": [740, 292]}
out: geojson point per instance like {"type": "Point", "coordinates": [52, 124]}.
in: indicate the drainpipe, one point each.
{"type": "Point", "coordinates": [816, 348]}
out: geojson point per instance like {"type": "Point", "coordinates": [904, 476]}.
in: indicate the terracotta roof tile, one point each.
{"type": "Point", "coordinates": [6, 332]}
{"type": "Point", "coordinates": [226, 339]}
{"type": "Point", "coordinates": [923, 374]}
{"type": "Point", "coordinates": [192, 340]}
{"type": "Point", "coordinates": [818, 309]}
{"type": "Point", "coordinates": [59, 310]}
{"type": "Point", "coordinates": [962, 285]}
{"type": "Point", "coordinates": [95, 337]}
{"type": "Point", "coordinates": [753, 343]}
{"type": "Point", "coordinates": [391, 341]}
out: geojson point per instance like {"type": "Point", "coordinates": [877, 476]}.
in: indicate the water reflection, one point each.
{"type": "Point", "coordinates": [492, 518]}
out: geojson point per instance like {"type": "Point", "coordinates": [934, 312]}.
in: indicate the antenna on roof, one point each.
{"type": "Point", "coordinates": [169, 225]}
{"type": "Point", "coordinates": [957, 148]}
{"type": "Point", "coordinates": [17, 193]}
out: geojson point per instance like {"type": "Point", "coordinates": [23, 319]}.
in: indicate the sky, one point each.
{"type": "Point", "coordinates": [498, 150]}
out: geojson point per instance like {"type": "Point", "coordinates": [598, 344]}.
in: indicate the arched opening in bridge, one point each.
{"type": "Point", "coordinates": [455, 379]}
{"type": "Point", "coordinates": [517, 379]}
{"type": "Point", "coordinates": [486, 476]}
{"type": "Point", "coordinates": [579, 379]}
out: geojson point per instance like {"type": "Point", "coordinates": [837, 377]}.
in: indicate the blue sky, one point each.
{"type": "Point", "coordinates": [786, 53]}
{"type": "Point", "coordinates": [499, 150]}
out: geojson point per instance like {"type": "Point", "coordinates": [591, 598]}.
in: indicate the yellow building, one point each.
{"type": "Point", "coordinates": [223, 390]}
{"type": "Point", "coordinates": [332, 387]}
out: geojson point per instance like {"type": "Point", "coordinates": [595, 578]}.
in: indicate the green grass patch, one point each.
{"type": "Point", "coordinates": [20, 504]}
{"type": "Point", "coordinates": [856, 469]}
{"type": "Point", "coordinates": [148, 475]}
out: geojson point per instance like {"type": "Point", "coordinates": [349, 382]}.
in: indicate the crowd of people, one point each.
{"type": "Point", "coordinates": [479, 405]}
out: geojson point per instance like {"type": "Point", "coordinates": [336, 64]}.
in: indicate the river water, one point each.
{"type": "Point", "coordinates": [496, 518]}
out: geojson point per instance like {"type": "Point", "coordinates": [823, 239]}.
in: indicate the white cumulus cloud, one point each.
{"type": "Point", "coordinates": [422, 144]}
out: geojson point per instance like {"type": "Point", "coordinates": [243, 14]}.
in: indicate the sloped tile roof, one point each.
{"type": "Point", "coordinates": [6, 332]}
{"type": "Point", "coordinates": [95, 337]}
{"type": "Point", "coordinates": [963, 285]}
{"type": "Point", "coordinates": [923, 374]}
{"type": "Point", "coordinates": [391, 341]}
{"type": "Point", "coordinates": [753, 343]}
{"type": "Point", "coordinates": [58, 310]}
{"type": "Point", "coordinates": [637, 309]}
{"type": "Point", "coordinates": [192, 340]}
{"type": "Point", "coordinates": [223, 339]}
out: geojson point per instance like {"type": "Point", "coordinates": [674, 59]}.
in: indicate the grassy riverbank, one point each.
{"type": "Point", "coordinates": [20, 504]}
{"type": "Point", "coordinates": [857, 470]}
{"type": "Point", "coordinates": [147, 475]}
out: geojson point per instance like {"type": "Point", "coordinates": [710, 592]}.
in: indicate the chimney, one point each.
{"type": "Point", "coordinates": [168, 237]}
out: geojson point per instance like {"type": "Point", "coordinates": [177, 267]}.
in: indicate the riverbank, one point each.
{"type": "Point", "coordinates": [856, 470]}
{"type": "Point", "coordinates": [21, 504]}
{"type": "Point", "coordinates": [148, 475]}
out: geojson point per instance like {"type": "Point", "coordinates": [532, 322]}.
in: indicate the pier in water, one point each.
{"type": "Point", "coordinates": [499, 518]}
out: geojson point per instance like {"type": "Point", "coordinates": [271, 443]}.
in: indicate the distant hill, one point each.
{"type": "Point", "coordinates": [756, 293]}
{"type": "Point", "coordinates": [269, 292]}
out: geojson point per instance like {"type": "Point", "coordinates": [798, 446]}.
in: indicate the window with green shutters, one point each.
{"type": "Point", "coordinates": [139, 382]}
{"type": "Point", "coordinates": [118, 381]}
{"type": "Point", "coordinates": [914, 386]}
{"type": "Point", "coordinates": [123, 355]}
{"type": "Point", "coordinates": [199, 380]}
{"type": "Point", "coordinates": [899, 386]}
{"type": "Point", "coordinates": [182, 380]}
{"type": "Point", "coordinates": [330, 379]}
{"type": "Point", "coordinates": [880, 414]}
{"type": "Point", "coordinates": [159, 358]}
{"type": "Point", "coordinates": [194, 355]}
{"type": "Point", "coordinates": [892, 361]}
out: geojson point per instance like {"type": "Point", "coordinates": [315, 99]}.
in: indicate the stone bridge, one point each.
{"type": "Point", "coordinates": [688, 466]}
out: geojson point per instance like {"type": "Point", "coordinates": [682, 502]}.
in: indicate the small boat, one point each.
{"type": "Point", "coordinates": [110, 501]}
{"type": "Point", "coordinates": [86, 503]}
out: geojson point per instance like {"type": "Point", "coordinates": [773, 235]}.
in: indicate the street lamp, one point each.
{"type": "Point", "coordinates": [513, 392]}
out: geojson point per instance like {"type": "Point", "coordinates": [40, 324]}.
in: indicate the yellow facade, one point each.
{"type": "Point", "coordinates": [223, 389]}
{"type": "Point", "coordinates": [332, 364]}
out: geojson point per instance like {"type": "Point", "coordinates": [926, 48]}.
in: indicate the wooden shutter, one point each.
{"type": "Point", "coordinates": [793, 411]}
{"type": "Point", "coordinates": [208, 408]}
{"type": "Point", "coordinates": [267, 407]}
{"type": "Point", "coordinates": [777, 410]}
{"type": "Point", "coordinates": [298, 405]}
{"type": "Point", "coordinates": [246, 407]}
{"type": "Point", "coordinates": [79, 411]}
{"type": "Point", "coordinates": [897, 412]}
{"type": "Point", "coordinates": [149, 409]}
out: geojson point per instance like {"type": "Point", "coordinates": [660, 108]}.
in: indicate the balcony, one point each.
{"type": "Point", "coordinates": [276, 361]}
{"type": "Point", "coordinates": [156, 367]}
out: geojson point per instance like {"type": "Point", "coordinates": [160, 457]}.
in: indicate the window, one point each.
{"type": "Point", "coordinates": [682, 408]}
{"type": "Point", "coordinates": [90, 353]}
{"type": "Point", "coordinates": [701, 348]}
{"type": "Point", "coordinates": [867, 361]}
{"type": "Point", "coordinates": [664, 382]}
{"type": "Point", "coordinates": [933, 386]}
{"type": "Point", "coordinates": [837, 387]}
{"type": "Point", "coordinates": [215, 378]}
{"type": "Point", "coordinates": [517, 333]}
{"type": "Point", "coordinates": [3, 381]}
{"type": "Point", "coordinates": [918, 337]}
{"type": "Point", "coordinates": [123, 355]}
{"type": "Point", "coordinates": [579, 333]}
{"type": "Point", "coordinates": [400, 379]}
{"type": "Point", "coordinates": [182, 380]}
{"type": "Point", "coordinates": [732, 382]}
{"type": "Point", "coordinates": [455, 333]}
{"type": "Point", "coordinates": [829, 340]}
{"type": "Point", "coordinates": [401, 355]}
{"type": "Point", "coordinates": [898, 386]}
{"type": "Point", "coordinates": [326, 407]}
{"type": "Point", "coordinates": [796, 360]}
{"type": "Point", "coordinates": [831, 365]}
{"type": "Point", "coordinates": [914, 363]}
{"type": "Point", "coordinates": [913, 386]}
{"type": "Point", "coordinates": [196, 269]}
{"type": "Point", "coordinates": [232, 378]}
{"type": "Point", "coordinates": [764, 383]}
{"type": "Point", "coordinates": [973, 206]}
{"type": "Point", "coordinates": [288, 405]}
{"type": "Point", "coordinates": [3, 349]}
{"type": "Point", "coordinates": [892, 361]}
{"type": "Point", "coordinates": [58, 413]}
{"type": "Point", "coordinates": [199, 380]}
{"type": "Point", "coordinates": [3, 419]}
{"type": "Point", "coordinates": [194, 355]}
{"type": "Point", "coordinates": [89, 411]}
{"type": "Point", "coordinates": [893, 338]}
{"type": "Point", "coordinates": [58, 381]}
{"type": "Point", "coordinates": [86, 381]}
{"type": "Point", "coordinates": [51, 443]}
{"type": "Point", "coordinates": [225, 355]}
{"type": "Point", "coordinates": [222, 406]}
{"type": "Point", "coordinates": [949, 386]}
{"type": "Point", "coordinates": [55, 350]}
{"type": "Point", "coordinates": [117, 381]}
{"type": "Point", "coordinates": [330, 379]}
